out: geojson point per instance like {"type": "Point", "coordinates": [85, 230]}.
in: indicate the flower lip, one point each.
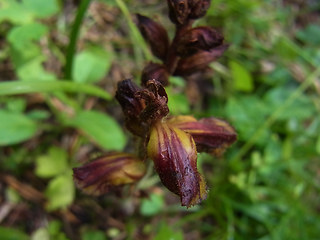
{"type": "Point", "coordinates": [175, 157]}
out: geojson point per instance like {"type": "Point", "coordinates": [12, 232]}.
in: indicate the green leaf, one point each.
{"type": "Point", "coordinates": [14, 12]}
{"type": "Point", "coordinates": [22, 37]}
{"type": "Point", "coordinates": [91, 65]}
{"type": "Point", "coordinates": [301, 108]}
{"type": "Point", "coordinates": [101, 128]}
{"type": "Point", "coordinates": [15, 128]}
{"type": "Point", "coordinates": [311, 34]}
{"type": "Point", "coordinates": [19, 87]}
{"type": "Point", "coordinates": [38, 114]}
{"type": "Point", "coordinates": [16, 104]}
{"type": "Point", "coordinates": [41, 8]}
{"type": "Point", "coordinates": [51, 164]}
{"type": "Point", "coordinates": [24, 12]}
{"type": "Point", "coordinates": [152, 206]}
{"type": "Point", "coordinates": [318, 145]}
{"type": "Point", "coordinates": [93, 235]}
{"type": "Point", "coordinates": [60, 191]}
{"type": "Point", "coordinates": [166, 232]}
{"type": "Point", "coordinates": [12, 234]}
{"type": "Point", "coordinates": [247, 114]}
{"type": "Point", "coordinates": [34, 70]}
{"type": "Point", "coordinates": [241, 77]}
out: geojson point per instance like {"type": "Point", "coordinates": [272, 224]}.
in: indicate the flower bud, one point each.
{"type": "Point", "coordinates": [211, 135]}
{"type": "Point", "coordinates": [155, 34]}
{"type": "Point", "coordinates": [198, 61]}
{"type": "Point", "coordinates": [198, 8]}
{"type": "Point", "coordinates": [155, 71]}
{"type": "Point", "coordinates": [113, 169]}
{"type": "Point", "coordinates": [178, 11]}
{"type": "Point", "coordinates": [200, 38]}
{"type": "Point", "coordinates": [175, 158]}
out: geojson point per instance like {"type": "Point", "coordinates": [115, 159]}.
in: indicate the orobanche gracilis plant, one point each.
{"type": "Point", "coordinates": [172, 142]}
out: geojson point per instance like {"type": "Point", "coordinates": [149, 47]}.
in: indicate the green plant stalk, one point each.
{"type": "Point", "coordinates": [137, 38]}
{"type": "Point", "coordinates": [20, 87]}
{"type": "Point", "coordinates": [84, 4]}
{"type": "Point", "coordinates": [297, 93]}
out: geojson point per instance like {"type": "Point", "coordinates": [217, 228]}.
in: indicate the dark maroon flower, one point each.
{"type": "Point", "coordinates": [200, 38]}
{"type": "Point", "coordinates": [174, 154]}
{"type": "Point", "coordinates": [178, 11]}
{"type": "Point", "coordinates": [155, 34]}
{"type": "Point", "coordinates": [112, 170]}
{"type": "Point", "coordinates": [199, 60]}
{"type": "Point", "coordinates": [198, 8]}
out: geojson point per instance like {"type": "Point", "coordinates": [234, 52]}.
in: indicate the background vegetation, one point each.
{"type": "Point", "coordinates": [57, 111]}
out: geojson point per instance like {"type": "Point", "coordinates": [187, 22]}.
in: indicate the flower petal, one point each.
{"type": "Point", "coordinates": [113, 169]}
{"type": "Point", "coordinates": [211, 135]}
{"type": "Point", "coordinates": [175, 157]}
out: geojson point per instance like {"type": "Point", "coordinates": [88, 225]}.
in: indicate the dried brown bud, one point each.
{"type": "Point", "coordinates": [198, 8]}
{"type": "Point", "coordinates": [211, 135]}
{"type": "Point", "coordinates": [155, 71]}
{"type": "Point", "coordinates": [198, 61]}
{"type": "Point", "coordinates": [142, 106]}
{"type": "Point", "coordinates": [155, 34]}
{"type": "Point", "coordinates": [178, 11]}
{"type": "Point", "coordinates": [175, 157]}
{"type": "Point", "coordinates": [111, 170]}
{"type": "Point", "coordinates": [200, 38]}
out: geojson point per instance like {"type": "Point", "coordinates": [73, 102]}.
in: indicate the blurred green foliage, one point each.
{"type": "Point", "coordinates": [267, 85]}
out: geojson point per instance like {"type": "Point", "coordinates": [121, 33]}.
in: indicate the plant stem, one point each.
{"type": "Point", "coordinates": [20, 87]}
{"type": "Point", "coordinates": [84, 4]}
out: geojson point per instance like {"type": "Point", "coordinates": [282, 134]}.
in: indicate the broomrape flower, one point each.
{"type": "Point", "coordinates": [171, 142]}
